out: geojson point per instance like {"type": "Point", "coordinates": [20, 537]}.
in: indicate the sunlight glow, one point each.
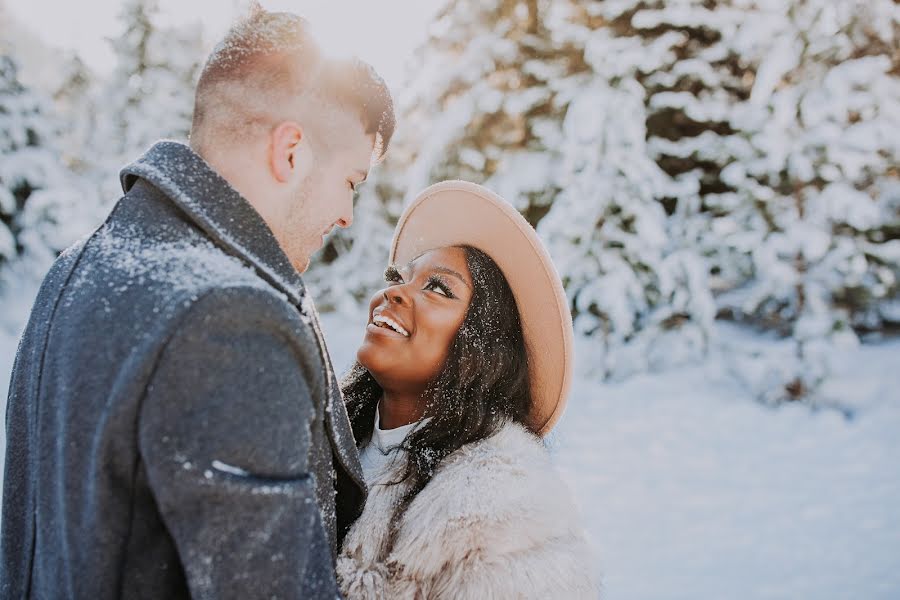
{"type": "Point", "coordinates": [383, 33]}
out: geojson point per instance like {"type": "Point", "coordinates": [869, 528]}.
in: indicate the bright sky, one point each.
{"type": "Point", "coordinates": [384, 33]}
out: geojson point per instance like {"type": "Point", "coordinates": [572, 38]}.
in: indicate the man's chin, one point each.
{"type": "Point", "coordinates": [300, 264]}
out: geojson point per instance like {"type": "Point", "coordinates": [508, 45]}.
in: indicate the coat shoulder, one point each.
{"type": "Point", "coordinates": [148, 243]}
{"type": "Point", "coordinates": [166, 267]}
{"type": "Point", "coordinates": [219, 313]}
{"type": "Point", "coordinates": [243, 301]}
{"type": "Point", "coordinates": [185, 263]}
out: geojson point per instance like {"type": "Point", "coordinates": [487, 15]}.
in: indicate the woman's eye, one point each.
{"type": "Point", "coordinates": [436, 285]}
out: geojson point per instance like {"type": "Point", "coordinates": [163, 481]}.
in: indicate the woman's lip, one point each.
{"type": "Point", "coordinates": [390, 315]}
{"type": "Point", "coordinates": [373, 328]}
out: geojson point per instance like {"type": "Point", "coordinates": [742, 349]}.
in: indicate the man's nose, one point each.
{"type": "Point", "coordinates": [346, 219]}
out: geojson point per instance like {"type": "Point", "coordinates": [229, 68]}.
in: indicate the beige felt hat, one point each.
{"type": "Point", "coordinates": [458, 212]}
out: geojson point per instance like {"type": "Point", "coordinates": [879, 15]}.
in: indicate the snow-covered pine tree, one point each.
{"type": "Point", "coordinates": [41, 208]}
{"type": "Point", "coordinates": [20, 115]}
{"type": "Point", "coordinates": [639, 290]}
{"type": "Point", "coordinates": [483, 104]}
{"type": "Point", "coordinates": [822, 181]}
{"type": "Point", "coordinates": [150, 93]}
{"type": "Point", "coordinates": [30, 166]}
{"type": "Point", "coordinates": [695, 61]}
{"type": "Point", "coordinates": [738, 95]}
{"type": "Point", "coordinates": [74, 100]}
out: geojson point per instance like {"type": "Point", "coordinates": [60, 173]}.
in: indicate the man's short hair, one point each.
{"type": "Point", "coordinates": [271, 58]}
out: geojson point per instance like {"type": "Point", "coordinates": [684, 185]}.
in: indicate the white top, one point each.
{"type": "Point", "coordinates": [376, 454]}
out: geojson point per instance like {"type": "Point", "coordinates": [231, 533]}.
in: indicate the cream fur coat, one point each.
{"type": "Point", "coordinates": [496, 521]}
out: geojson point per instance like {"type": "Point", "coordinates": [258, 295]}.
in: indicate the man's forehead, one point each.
{"type": "Point", "coordinates": [354, 144]}
{"type": "Point", "coordinates": [353, 156]}
{"type": "Point", "coordinates": [339, 122]}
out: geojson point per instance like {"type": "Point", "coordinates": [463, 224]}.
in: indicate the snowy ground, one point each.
{"type": "Point", "coordinates": [689, 489]}
{"type": "Point", "coordinates": [692, 490]}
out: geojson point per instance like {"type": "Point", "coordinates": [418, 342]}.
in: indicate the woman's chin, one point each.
{"type": "Point", "coordinates": [367, 356]}
{"type": "Point", "coordinates": [377, 344]}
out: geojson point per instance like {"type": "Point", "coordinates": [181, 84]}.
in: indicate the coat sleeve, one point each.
{"type": "Point", "coordinates": [224, 431]}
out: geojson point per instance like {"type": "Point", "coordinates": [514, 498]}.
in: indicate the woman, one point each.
{"type": "Point", "coordinates": [466, 361]}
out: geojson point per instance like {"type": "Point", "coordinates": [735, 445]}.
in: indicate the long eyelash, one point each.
{"type": "Point", "coordinates": [438, 281]}
{"type": "Point", "coordinates": [392, 275]}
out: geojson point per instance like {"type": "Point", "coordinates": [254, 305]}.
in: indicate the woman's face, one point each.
{"type": "Point", "coordinates": [413, 321]}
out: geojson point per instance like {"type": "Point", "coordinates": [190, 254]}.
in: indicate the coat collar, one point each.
{"type": "Point", "coordinates": [231, 222]}
{"type": "Point", "coordinates": [218, 209]}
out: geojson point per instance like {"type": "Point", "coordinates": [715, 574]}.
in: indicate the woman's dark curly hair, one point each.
{"type": "Point", "coordinates": [483, 384]}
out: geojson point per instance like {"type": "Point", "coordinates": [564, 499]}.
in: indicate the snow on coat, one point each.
{"type": "Point", "coordinates": [495, 521]}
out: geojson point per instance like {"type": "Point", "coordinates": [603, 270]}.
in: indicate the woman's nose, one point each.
{"type": "Point", "coordinates": [395, 295]}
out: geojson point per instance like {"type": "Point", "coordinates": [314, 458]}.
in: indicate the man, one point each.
{"type": "Point", "coordinates": [174, 425]}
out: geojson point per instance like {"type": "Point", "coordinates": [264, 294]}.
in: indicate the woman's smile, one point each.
{"type": "Point", "coordinates": [387, 324]}
{"type": "Point", "coordinates": [374, 329]}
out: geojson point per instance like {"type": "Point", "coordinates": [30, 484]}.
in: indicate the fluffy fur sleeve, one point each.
{"type": "Point", "coordinates": [496, 521]}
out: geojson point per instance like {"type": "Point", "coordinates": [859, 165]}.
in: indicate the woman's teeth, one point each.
{"type": "Point", "coordinates": [382, 321]}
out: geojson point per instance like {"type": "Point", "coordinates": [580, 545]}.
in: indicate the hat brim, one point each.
{"type": "Point", "coordinates": [453, 213]}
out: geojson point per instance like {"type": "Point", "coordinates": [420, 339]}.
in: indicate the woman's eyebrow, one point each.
{"type": "Point", "coordinates": [447, 271]}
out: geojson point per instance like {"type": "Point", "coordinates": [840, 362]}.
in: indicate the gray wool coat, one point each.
{"type": "Point", "coordinates": [174, 425]}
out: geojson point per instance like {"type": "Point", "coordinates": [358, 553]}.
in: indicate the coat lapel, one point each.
{"type": "Point", "coordinates": [233, 224]}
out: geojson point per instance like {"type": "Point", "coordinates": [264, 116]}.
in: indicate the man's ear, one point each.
{"type": "Point", "coordinates": [287, 151]}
